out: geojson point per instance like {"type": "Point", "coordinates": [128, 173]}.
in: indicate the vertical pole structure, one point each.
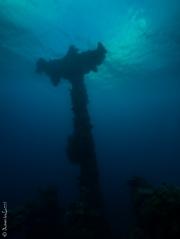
{"type": "Point", "coordinates": [81, 147]}
{"type": "Point", "coordinates": [86, 218]}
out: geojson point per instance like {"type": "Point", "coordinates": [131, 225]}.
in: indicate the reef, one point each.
{"type": "Point", "coordinates": [157, 210]}
{"type": "Point", "coordinates": [81, 147]}
{"type": "Point", "coordinates": [43, 219]}
{"type": "Point", "coordinates": [85, 222]}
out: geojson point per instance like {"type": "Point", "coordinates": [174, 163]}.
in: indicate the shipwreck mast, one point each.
{"type": "Point", "coordinates": [86, 218]}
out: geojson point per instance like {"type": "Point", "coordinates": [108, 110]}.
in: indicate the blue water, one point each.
{"type": "Point", "coordinates": [134, 98]}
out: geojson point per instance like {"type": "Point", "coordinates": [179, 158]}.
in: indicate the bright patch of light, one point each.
{"type": "Point", "coordinates": [139, 36]}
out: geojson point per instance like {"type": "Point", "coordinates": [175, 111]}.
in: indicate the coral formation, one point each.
{"type": "Point", "coordinates": [73, 65]}
{"type": "Point", "coordinates": [83, 222]}
{"type": "Point", "coordinates": [157, 209]}
{"type": "Point", "coordinates": [42, 219]}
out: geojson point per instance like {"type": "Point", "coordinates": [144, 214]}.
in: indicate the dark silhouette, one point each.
{"type": "Point", "coordinates": [86, 218]}
{"type": "Point", "coordinates": [157, 210]}
{"type": "Point", "coordinates": [43, 219]}
{"type": "Point", "coordinates": [73, 65]}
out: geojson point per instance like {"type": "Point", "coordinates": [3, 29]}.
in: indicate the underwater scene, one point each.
{"type": "Point", "coordinates": [90, 119]}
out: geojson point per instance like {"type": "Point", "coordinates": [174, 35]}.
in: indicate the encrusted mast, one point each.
{"type": "Point", "coordinates": [81, 149]}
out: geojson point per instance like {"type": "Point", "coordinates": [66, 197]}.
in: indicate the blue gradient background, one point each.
{"type": "Point", "coordinates": [134, 97]}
